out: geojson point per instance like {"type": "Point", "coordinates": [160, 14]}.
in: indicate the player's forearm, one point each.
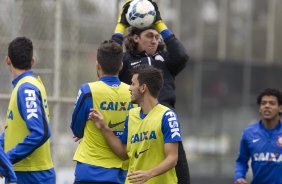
{"type": "Point", "coordinates": [34, 140]}
{"type": "Point", "coordinates": [2, 140]}
{"type": "Point", "coordinates": [6, 168]}
{"type": "Point", "coordinates": [115, 143]}
{"type": "Point", "coordinates": [241, 167]}
{"type": "Point", "coordinates": [167, 164]}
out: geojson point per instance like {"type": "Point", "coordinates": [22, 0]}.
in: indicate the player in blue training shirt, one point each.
{"type": "Point", "coordinates": [27, 130]}
{"type": "Point", "coordinates": [262, 142]}
{"type": "Point", "coordinates": [151, 135]}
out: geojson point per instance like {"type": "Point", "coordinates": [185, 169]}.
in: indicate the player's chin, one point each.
{"type": "Point", "coordinates": [268, 116]}
{"type": "Point", "coordinates": [133, 100]}
{"type": "Point", "coordinates": [151, 51]}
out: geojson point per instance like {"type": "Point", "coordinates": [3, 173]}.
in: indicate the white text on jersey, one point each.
{"type": "Point", "coordinates": [268, 156]}
{"type": "Point", "coordinates": [31, 106]}
{"type": "Point", "coordinates": [173, 124]}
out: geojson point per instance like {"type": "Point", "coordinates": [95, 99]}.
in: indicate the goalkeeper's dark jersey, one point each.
{"type": "Point", "coordinates": [171, 62]}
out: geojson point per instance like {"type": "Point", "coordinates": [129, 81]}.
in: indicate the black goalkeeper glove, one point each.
{"type": "Point", "coordinates": [122, 16]}
{"type": "Point", "coordinates": [158, 14]}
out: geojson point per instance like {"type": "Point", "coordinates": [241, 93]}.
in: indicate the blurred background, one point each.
{"type": "Point", "coordinates": [235, 49]}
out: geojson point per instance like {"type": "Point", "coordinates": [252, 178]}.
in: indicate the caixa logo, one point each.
{"type": "Point", "coordinates": [142, 136]}
{"type": "Point", "coordinates": [268, 157]}
{"type": "Point", "coordinates": [115, 106]}
{"type": "Point", "coordinates": [31, 106]}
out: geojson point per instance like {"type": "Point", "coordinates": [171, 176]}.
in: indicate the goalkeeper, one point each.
{"type": "Point", "coordinates": [145, 46]}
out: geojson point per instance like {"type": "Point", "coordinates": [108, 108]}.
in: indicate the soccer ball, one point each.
{"type": "Point", "coordinates": [141, 13]}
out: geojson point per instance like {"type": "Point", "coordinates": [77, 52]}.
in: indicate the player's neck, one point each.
{"type": "Point", "coordinates": [16, 72]}
{"type": "Point", "coordinates": [148, 103]}
{"type": "Point", "coordinates": [272, 123]}
{"type": "Point", "coordinates": [103, 74]}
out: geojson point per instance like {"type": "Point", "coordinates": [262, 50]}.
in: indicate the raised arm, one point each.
{"type": "Point", "coordinates": [122, 24]}
{"type": "Point", "coordinates": [176, 52]}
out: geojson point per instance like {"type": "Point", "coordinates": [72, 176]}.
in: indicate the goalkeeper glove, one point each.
{"type": "Point", "coordinates": [159, 24]}
{"type": "Point", "coordinates": [122, 22]}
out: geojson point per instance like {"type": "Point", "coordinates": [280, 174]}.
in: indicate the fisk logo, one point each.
{"type": "Point", "coordinates": [31, 106]}
{"type": "Point", "coordinates": [148, 135]}
{"type": "Point", "coordinates": [115, 106]}
{"type": "Point", "coordinates": [173, 124]}
{"type": "Point", "coordinates": [78, 95]}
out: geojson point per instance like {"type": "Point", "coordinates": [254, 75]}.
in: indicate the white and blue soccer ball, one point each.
{"type": "Point", "coordinates": [141, 13]}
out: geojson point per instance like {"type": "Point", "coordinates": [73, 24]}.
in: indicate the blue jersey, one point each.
{"type": "Point", "coordinates": [264, 147]}
{"type": "Point", "coordinates": [6, 168]}
{"type": "Point", "coordinates": [85, 172]}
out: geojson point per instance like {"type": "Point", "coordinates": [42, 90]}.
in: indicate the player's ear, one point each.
{"type": "Point", "coordinates": [120, 68]}
{"type": "Point", "coordinates": [97, 65]}
{"type": "Point", "coordinates": [8, 60]}
{"type": "Point", "coordinates": [135, 38]}
{"type": "Point", "coordinates": [280, 110]}
{"type": "Point", "coordinates": [143, 88]}
{"type": "Point", "coordinates": [32, 61]}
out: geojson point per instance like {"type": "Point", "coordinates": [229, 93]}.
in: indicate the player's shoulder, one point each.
{"type": "Point", "coordinates": [123, 84]}
{"type": "Point", "coordinates": [252, 127]}
{"type": "Point", "coordinates": [135, 109]}
{"type": "Point", "coordinates": [85, 88]}
{"type": "Point", "coordinates": [164, 109]}
{"type": "Point", "coordinates": [27, 86]}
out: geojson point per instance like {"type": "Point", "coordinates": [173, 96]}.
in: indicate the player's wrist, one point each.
{"type": "Point", "coordinates": [160, 26]}
{"type": "Point", "coordinates": [120, 29]}
{"type": "Point", "coordinates": [162, 29]}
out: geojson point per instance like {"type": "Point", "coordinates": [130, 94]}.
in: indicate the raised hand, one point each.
{"type": "Point", "coordinates": [158, 14]}
{"type": "Point", "coordinates": [122, 16]}
{"type": "Point", "coordinates": [97, 119]}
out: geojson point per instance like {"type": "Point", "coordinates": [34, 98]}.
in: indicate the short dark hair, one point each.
{"type": "Point", "coordinates": [109, 56]}
{"type": "Point", "coordinates": [150, 76]}
{"type": "Point", "coordinates": [20, 52]}
{"type": "Point", "coordinates": [270, 92]}
{"type": "Point", "coordinates": [129, 43]}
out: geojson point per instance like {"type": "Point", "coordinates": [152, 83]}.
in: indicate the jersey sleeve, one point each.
{"type": "Point", "coordinates": [6, 168]}
{"type": "Point", "coordinates": [124, 136]}
{"type": "Point", "coordinates": [176, 54]}
{"type": "Point", "coordinates": [32, 112]}
{"type": "Point", "coordinates": [171, 127]}
{"type": "Point", "coordinates": [241, 164]}
{"type": "Point", "coordinates": [2, 140]}
{"type": "Point", "coordinates": [81, 110]}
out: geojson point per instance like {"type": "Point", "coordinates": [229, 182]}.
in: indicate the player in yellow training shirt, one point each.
{"type": "Point", "coordinates": [27, 131]}
{"type": "Point", "coordinates": [151, 133]}
{"type": "Point", "coordinates": [96, 162]}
